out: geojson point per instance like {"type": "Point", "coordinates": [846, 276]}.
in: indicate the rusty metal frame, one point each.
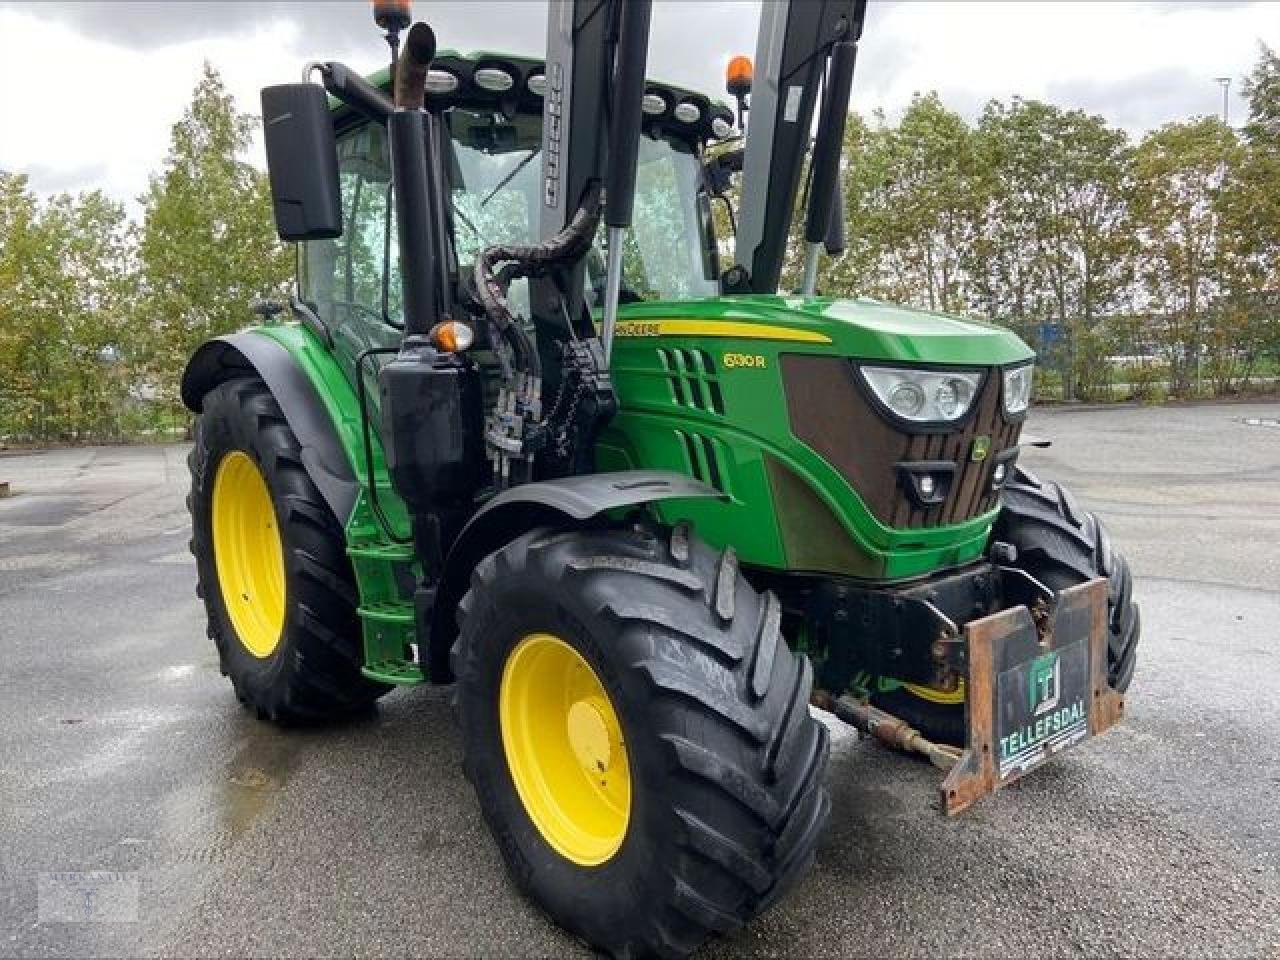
{"type": "Point", "coordinates": [975, 774]}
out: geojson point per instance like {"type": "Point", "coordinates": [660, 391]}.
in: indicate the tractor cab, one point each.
{"type": "Point", "coordinates": [491, 140]}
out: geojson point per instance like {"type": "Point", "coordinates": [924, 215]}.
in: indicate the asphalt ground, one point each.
{"type": "Point", "coordinates": [135, 791]}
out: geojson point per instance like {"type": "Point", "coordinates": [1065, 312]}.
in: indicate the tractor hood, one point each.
{"type": "Point", "coordinates": [864, 328]}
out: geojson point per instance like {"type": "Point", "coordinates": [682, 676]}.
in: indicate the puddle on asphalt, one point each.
{"type": "Point", "coordinates": [203, 820]}
{"type": "Point", "coordinates": [254, 776]}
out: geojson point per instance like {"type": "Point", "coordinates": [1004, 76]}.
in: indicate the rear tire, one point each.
{"type": "Point", "coordinates": [726, 796]}
{"type": "Point", "coordinates": [300, 661]}
{"type": "Point", "coordinates": [1061, 545]}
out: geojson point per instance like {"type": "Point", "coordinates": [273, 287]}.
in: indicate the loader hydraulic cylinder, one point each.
{"type": "Point", "coordinates": [624, 143]}
{"type": "Point", "coordinates": [825, 185]}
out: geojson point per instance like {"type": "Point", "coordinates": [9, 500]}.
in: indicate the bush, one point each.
{"type": "Point", "coordinates": [1147, 381]}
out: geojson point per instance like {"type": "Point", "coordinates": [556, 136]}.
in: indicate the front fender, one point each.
{"type": "Point", "coordinates": [251, 353]}
{"type": "Point", "coordinates": [567, 501]}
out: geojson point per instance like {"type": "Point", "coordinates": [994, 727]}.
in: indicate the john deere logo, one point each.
{"type": "Point", "coordinates": [1044, 682]}
{"type": "Point", "coordinates": [981, 447]}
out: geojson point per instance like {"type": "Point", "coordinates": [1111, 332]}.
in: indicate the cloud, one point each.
{"type": "Point", "coordinates": [49, 178]}
{"type": "Point", "coordinates": [147, 25]}
{"type": "Point", "coordinates": [1145, 99]}
{"type": "Point", "coordinates": [1139, 64]}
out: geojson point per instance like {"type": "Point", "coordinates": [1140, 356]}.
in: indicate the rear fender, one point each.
{"type": "Point", "coordinates": [248, 354]}
{"type": "Point", "coordinates": [566, 502]}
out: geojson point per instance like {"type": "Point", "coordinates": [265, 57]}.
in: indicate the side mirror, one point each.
{"type": "Point", "coordinates": [302, 162]}
{"type": "Point", "coordinates": [720, 169]}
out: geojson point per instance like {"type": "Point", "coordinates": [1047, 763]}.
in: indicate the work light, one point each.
{"type": "Point", "coordinates": [493, 79]}
{"type": "Point", "coordinates": [441, 82]}
{"type": "Point", "coordinates": [688, 112]}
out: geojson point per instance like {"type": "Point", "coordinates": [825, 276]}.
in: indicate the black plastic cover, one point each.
{"type": "Point", "coordinates": [432, 428]}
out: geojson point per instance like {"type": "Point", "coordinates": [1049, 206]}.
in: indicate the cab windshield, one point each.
{"type": "Point", "coordinates": [494, 168]}
{"type": "Point", "coordinates": [496, 176]}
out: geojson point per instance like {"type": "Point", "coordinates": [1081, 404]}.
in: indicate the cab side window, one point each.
{"type": "Point", "coordinates": [354, 281]}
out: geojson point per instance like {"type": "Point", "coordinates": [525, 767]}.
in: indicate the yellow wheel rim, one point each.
{"type": "Point", "coordinates": [565, 749]}
{"type": "Point", "coordinates": [936, 695]}
{"type": "Point", "coordinates": [248, 554]}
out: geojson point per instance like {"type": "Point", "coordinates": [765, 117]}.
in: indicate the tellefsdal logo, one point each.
{"type": "Point", "coordinates": [1044, 682]}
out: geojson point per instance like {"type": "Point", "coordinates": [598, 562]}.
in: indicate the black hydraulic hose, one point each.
{"type": "Point", "coordinates": [567, 246]}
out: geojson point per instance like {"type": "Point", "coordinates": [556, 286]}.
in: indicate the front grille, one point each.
{"type": "Point", "coordinates": [830, 412]}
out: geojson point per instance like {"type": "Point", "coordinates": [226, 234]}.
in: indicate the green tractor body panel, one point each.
{"type": "Point", "coordinates": [702, 390]}
{"type": "Point", "coordinates": [382, 565]}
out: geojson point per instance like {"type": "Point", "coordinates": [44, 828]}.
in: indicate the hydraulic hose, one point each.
{"type": "Point", "coordinates": [492, 283]}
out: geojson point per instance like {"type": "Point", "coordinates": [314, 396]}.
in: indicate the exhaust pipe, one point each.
{"type": "Point", "coordinates": [409, 164]}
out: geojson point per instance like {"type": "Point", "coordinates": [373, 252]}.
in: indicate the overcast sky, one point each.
{"type": "Point", "coordinates": [88, 91]}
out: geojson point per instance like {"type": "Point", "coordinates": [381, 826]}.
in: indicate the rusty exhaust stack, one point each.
{"type": "Point", "coordinates": [411, 67]}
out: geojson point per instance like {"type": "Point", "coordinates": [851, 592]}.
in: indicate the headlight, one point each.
{"type": "Point", "coordinates": [1017, 389]}
{"type": "Point", "coordinates": [924, 396]}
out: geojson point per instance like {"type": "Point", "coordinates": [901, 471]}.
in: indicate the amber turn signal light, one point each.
{"type": "Point", "coordinates": [451, 336]}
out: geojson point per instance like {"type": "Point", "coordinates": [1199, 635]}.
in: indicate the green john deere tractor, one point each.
{"type": "Point", "coordinates": [524, 432]}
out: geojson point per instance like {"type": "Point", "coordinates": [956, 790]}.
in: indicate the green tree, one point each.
{"type": "Point", "coordinates": [1262, 89]}
{"type": "Point", "coordinates": [208, 246]}
{"type": "Point", "coordinates": [1255, 218]}
{"type": "Point", "coordinates": [1054, 241]}
{"type": "Point", "coordinates": [1184, 176]}
{"type": "Point", "coordinates": [66, 320]}
{"type": "Point", "coordinates": [918, 202]}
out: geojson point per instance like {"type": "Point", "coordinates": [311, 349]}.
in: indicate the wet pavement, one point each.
{"type": "Point", "coordinates": [143, 812]}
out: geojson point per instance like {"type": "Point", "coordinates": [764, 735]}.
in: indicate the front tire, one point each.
{"type": "Point", "coordinates": [1061, 545]}
{"type": "Point", "coordinates": [678, 787]}
{"type": "Point", "coordinates": [278, 589]}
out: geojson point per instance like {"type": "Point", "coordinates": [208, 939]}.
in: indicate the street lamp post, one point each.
{"type": "Point", "coordinates": [1225, 83]}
